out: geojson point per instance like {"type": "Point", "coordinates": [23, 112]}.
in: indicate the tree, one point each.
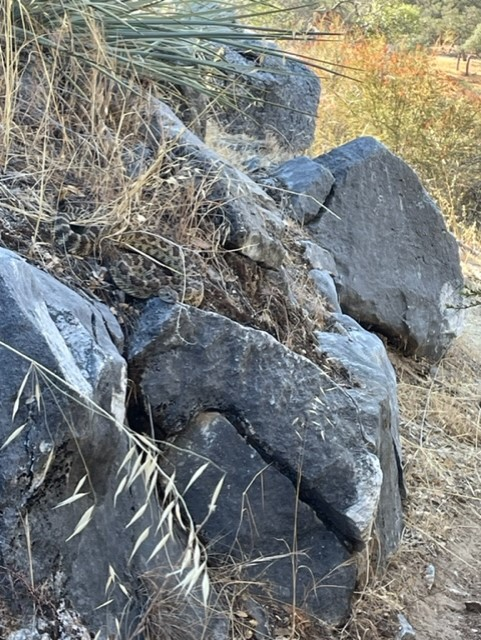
{"type": "Point", "coordinates": [473, 43]}
{"type": "Point", "coordinates": [393, 19]}
{"type": "Point", "coordinates": [448, 21]}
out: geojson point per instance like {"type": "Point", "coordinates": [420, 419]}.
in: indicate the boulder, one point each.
{"type": "Point", "coordinates": [305, 184]}
{"type": "Point", "coordinates": [272, 538]}
{"type": "Point", "coordinates": [62, 436]}
{"type": "Point", "coordinates": [308, 424]}
{"type": "Point", "coordinates": [273, 94]}
{"type": "Point", "coordinates": [398, 269]}
{"type": "Point", "coordinates": [324, 283]}
{"type": "Point", "coordinates": [317, 257]}
{"type": "Point", "coordinates": [248, 216]}
{"type": "Point", "coordinates": [373, 390]}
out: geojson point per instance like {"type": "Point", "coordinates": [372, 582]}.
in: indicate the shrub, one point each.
{"type": "Point", "coordinates": [182, 42]}
{"type": "Point", "coordinates": [398, 96]}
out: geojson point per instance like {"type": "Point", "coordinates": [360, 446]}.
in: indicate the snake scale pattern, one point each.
{"type": "Point", "coordinates": [140, 263]}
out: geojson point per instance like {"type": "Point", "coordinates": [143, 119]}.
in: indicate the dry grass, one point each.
{"type": "Point", "coordinates": [240, 149]}
{"type": "Point", "coordinates": [70, 129]}
{"type": "Point", "coordinates": [440, 431]}
{"type": "Point", "coordinates": [449, 66]}
{"type": "Point", "coordinates": [69, 126]}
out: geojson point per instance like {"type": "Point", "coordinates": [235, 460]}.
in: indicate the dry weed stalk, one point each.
{"type": "Point", "coordinates": [71, 131]}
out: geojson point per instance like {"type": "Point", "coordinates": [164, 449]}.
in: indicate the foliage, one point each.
{"type": "Point", "coordinates": [448, 21]}
{"type": "Point", "coordinates": [473, 43]}
{"type": "Point", "coordinates": [393, 19]}
{"type": "Point", "coordinates": [424, 117]}
{"type": "Point", "coordinates": [175, 41]}
{"type": "Point", "coordinates": [428, 22]}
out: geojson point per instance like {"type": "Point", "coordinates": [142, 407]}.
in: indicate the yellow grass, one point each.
{"type": "Point", "coordinates": [450, 66]}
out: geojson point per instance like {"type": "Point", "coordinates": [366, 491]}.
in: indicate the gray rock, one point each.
{"type": "Point", "coordinates": [78, 368]}
{"type": "Point", "coordinates": [273, 95]}
{"type": "Point", "coordinates": [28, 634]}
{"type": "Point", "coordinates": [405, 630]}
{"type": "Point", "coordinates": [318, 257]}
{"type": "Point", "coordinates": [137, 159]}
{"type": "Point", "coordinates": [70, 624]}
{"type": "Point", "coordinates": [258, 521]}
{"type": "Point", "coordinates": [288, 409]}
{"type": "Point", "coordinates": [260, 615]}
{"type": "Point", "coordinates": [325, 285]}
{"type": "Point", "coordinates": [251, 220]}
{"type": "Point", "coordinates": [62, 395]}
{"type": "Point", "coordinates": [373, 390]}
{"type": "Point", "coordinates": [398, 266]}
{"type": "Point", "coordinates": [307, 185]}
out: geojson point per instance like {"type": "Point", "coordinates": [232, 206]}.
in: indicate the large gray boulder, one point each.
{"type": "Point", "coordinates": [398, 268]}
{"type": "Point", "coordinates": [259, 524]}
{"type": "Point", "coordinates": [272, 94]}
{"type": "Point", "coordinates": [361, 356]}
{"type": "Point", "coordinates": [62, 394]}
{"type": "Point", "coordinates": [337, 446]}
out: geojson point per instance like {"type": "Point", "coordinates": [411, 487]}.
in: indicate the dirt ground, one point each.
{"type": "Point", "coordinates": [442, 611]}
{"type": "Point", "coordinates": [441, 434]}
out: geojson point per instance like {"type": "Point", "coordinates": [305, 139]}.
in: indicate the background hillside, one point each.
{"type": "Point", "coordinates": [424, 22]}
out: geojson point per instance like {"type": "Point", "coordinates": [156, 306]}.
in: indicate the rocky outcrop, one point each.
{"type": "Point", "coordinates": [282, 458]}
{"type": "Point", "coordinates": [272, 94]}
{"type": "Point", "coordinates": [251, 222]}
{"type": "Point", "coordinates": [259, 524]}
{"type": "Point", "coordinates": [329, 432]}
{"type": "Point", "coordinates": [65, 457]}
{"type": "Point", "coordinates": [398, 269]}
{"type": "Point", "coordinates": [361, 357]}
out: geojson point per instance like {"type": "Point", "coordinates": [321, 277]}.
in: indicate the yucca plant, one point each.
{"type": "Point", "coordinates": [179, 42]}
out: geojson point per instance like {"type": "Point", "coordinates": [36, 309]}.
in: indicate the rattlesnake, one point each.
{"type": "Point", "coordinates": [141, 264]}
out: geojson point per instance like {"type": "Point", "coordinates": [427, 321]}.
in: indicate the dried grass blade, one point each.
{"type": "Point", "coordinates": [83, 522]}
{"type": "Point", "coordinates": [20, 392]}
{"type": "Point", "coordinates": [14, 435]}
{"type": "Point", "coordinates": [71, 499]}
{"type": "Point", "coordinates": [196, 475]}
{"type": "Point", "coordinates": [142, 538]}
